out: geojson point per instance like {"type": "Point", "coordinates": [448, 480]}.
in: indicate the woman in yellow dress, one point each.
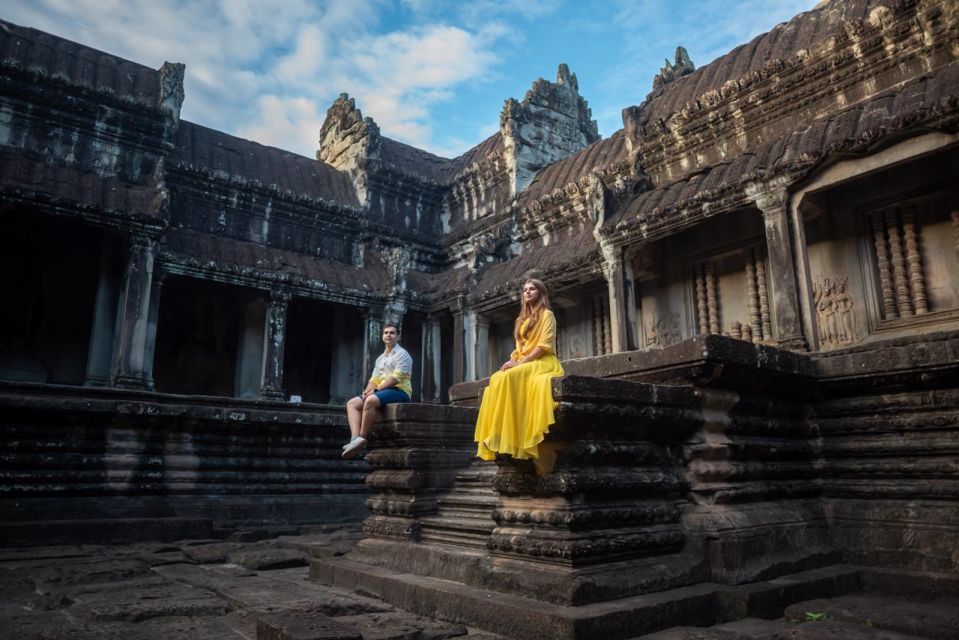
{"type": "Point", "coordinates": [517, 407]}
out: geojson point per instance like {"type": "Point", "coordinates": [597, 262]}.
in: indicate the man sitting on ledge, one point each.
{"type": "Point", "coordinates": [389, 383]}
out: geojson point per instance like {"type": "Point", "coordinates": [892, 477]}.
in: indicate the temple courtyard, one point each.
{"type": "Point", "coordinates": [245, 587]}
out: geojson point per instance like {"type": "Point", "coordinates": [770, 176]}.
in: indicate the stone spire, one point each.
{"type": "Point", "coordinates": [672, 71]}
{"type": "Point", "coordinates": [551, 123]}
{"type": "Point", "coordinates": [348, 140]}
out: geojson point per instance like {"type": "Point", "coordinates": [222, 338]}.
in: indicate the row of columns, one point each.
{"type": "Point", "coordinates": [136, 300]}
{"type": "Point", "coordinates": [123, 335]}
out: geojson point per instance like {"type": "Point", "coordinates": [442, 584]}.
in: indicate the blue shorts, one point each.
{"type": "Point", "coordinates": [390, 396]}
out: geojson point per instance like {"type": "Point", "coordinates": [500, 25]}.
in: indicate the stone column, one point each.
{"type": "Point", "coordinates": [459, 350]}
{"type": "Point", "coordinates": [469, 344]}
{"type": "Point", "coordinates": [372, 341]}
{"type": "Point", "coordinates": [619, 317]}
{"type": "Point", "coordinates": [153, 318]}
{"type": "Point", "coordinates": [133, 315]}
{"type": "Point", "coordinates": [102, 331]}
{"type": "Point", "coordinates": [248, 378]}
{"type": "Point", "coordinates": [481, 359]}
{"type": "Point", "coordinates": [772, 203]}
{"type": "Point", "coordinates": [274, 345]}
{"type": "Point", "coordinates": [431, 361]}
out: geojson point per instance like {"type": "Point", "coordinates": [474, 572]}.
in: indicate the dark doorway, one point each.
{"type": "Point", "coordinates": [198, 334]}
{"type": "Point", "coordinates": [49, 268]}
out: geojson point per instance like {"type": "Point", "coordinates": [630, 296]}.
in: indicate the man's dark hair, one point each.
{"type": "Point", "coordinates": [390, 324]}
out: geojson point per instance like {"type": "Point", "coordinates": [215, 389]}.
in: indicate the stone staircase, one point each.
{"type": "Point", "coordinates": [464, 516]}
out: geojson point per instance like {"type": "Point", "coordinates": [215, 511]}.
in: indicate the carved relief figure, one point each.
{"type": "Point", "coordinates": [664, 330]}
{"type": "Point", "coordinates": [835, 312]}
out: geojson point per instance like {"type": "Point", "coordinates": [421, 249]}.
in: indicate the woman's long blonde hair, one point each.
{"type": "Point", "coordinates": [532, 312]}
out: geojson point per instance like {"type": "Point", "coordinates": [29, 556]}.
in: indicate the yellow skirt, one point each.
{"type": "Point", "coordinates": [517, 409]}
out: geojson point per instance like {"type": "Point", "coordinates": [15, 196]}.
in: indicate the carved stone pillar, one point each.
{"type": "Point", "coordinates": [372, 341]}
{"type": "Point", "coordinates": [752, 300]}
{"type": "Point", "coordinates": [712, 299]}
{"type": "Point", "coordinates": [274, 346]}
{"type": "Point", "coordinates": [898, 259]}
{"type": "Point", "coordinates": [914, 261]}
{"type": "Point", "coordinates": [889, 309]}
{"type": "Point", "coordinates": [619, 316]}
{"type": "Point", "coordinates": [782, 268]}
{"type": "Point", "coordinates": [469, 344]}
{"type": "Point", "coordinates": [153, 316]}
{"type": "Point", "coordinates": [102, 331]}
{"type": "Point", "coordinates": [763, 294]}
{"type": "Point", "coordinates": [954, 214]}
{"type": "Point", "coordinates": [481, 359]}
{"type": "Point", "coordinates": [702, 309]}
{"type": "Point", "coordinates": [248, 377]}
{"type": "Point", "coordinates": [459, 347]}
{"type": "Point", "coordinates": [133, 315]}
{"type": "Point", "coordinates": [431, 361]}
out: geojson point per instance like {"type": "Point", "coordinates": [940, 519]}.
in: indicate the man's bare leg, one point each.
{"type": "Point", "coordinates": [371, 413]}
{"type": "Point", "coordinates": [354, 415]}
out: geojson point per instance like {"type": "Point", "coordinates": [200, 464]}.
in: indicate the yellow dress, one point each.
{"type": "Point", "coordinates": [517, 406]}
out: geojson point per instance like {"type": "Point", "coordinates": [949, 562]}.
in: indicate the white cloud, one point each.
{"type": "Point", "coordinates": [268, 70]}
{"type": "Point", "coordinates": [291, 123]}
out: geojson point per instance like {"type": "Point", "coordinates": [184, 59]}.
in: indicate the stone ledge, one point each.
{"type": "Point", "coordinates": [517, 616]}
{"type": "Point", "coordinates": [112, 531]}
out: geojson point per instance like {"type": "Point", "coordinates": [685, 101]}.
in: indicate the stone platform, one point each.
{"type": "Point", "coordinates": [722, 481]}
{"type": "Point", "coordinates": [106, 466]}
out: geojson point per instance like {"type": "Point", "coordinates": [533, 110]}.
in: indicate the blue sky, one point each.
{"type": "Point", "coordinates": [432, 74]}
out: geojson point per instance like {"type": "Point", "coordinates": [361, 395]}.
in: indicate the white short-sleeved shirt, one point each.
{"type": "Point", "coordinates": [398, 364]}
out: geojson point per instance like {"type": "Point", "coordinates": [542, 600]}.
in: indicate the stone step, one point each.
{"type": "Point", "coordinates": [454, 539]}
{"type": "Point", "coordinates": [759, 629]}
{"type": "Point", "coordinates": [935, 619]}
{"type": "Point", "coordinates": [460, 513]}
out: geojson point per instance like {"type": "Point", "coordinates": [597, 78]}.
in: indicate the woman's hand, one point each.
{"type": "Point", "coordinates": [509, 364]}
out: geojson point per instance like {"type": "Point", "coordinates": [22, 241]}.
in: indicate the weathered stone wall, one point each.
{"type": "Point", "coordinates": [103, 455]}
{"type": "Point", "coordinates": [889, 431]}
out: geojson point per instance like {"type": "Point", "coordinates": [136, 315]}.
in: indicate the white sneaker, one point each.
{"type": "Point", "coordinates": [353, 449]}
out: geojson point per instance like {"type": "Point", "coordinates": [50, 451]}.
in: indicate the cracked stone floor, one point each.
{"type": "Point", "coordinates": [216, 589]}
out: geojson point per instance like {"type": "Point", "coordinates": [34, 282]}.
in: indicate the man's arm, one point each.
{"type": "Point", "coordinates": [388, 383]}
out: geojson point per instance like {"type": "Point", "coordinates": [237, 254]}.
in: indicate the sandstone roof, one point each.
{"type": "Point", "coordinates": [36, 52]}
{"type": "Point", "coordinates": [199, 147]}
{"type": "Point", "coordinates": [204, 250]}
{"type": "Point", "coordinates": [779, 43]}
{"type": "Point", "coordinates": [38, 180]}
{"type": "Point", "coordinates": [853, 129]}
{"type": "Point", "coordinates": [597, 156]}
{"type": "Point", "coordinates": [410, 160]}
